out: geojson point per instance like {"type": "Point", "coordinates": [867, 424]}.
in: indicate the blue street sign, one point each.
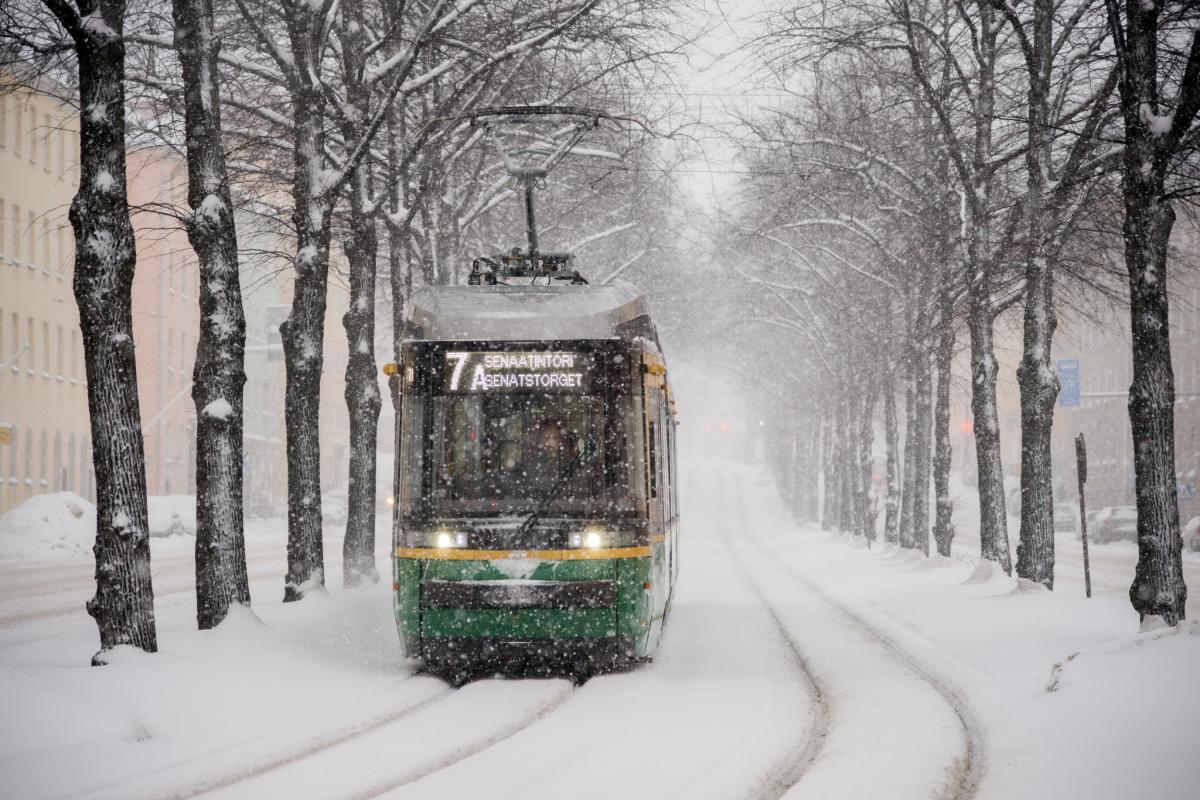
{"type": "Point", "coordinates": [1068, 382]}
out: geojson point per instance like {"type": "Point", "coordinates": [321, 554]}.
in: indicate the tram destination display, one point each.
{"type": "Point", "coordinates": [480, 372]}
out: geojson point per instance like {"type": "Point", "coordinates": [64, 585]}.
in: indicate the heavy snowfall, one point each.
{"type": "Point", "coordinates": [599, 398]}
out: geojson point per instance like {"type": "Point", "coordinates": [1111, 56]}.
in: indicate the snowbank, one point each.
{"type": "Point", "coordinates": [63, 525]}
{"type": "Point", "coordinates": [57, 525]}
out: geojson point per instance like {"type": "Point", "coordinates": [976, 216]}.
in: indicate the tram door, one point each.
{"type": "Point", "coordinates": [659, 496]}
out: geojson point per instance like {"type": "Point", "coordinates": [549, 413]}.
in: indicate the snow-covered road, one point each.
{"type": "Point", "coordinates": [795, 665]}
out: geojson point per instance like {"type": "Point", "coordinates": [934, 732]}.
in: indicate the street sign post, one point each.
{"type": "Point", "coordinates": [1081, 469]}
{"type": "Point", "coordinates": [1068, 382]}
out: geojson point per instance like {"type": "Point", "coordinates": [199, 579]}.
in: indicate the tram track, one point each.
{"type": "Point", "coordinates": [786, 775]}
{"type": "Point", "coordinates": [415, 774]}
{"type": "Point", "coordinates": [149, 785]}
{"type": "Point", "coordinates": [966, 773]}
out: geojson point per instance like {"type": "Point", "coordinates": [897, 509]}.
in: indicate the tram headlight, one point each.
{"type": "Point", "coordinates": [597, 538]}
{"type": "Point", "coordinates": [447, 539]}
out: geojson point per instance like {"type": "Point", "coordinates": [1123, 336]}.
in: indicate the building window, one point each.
{"type": "Point", "coordinates": [45, 349]}
{"type": "Point", "coordinates": [16, 336]}
{"type": "Point", "coordinates": [16, 233]}
{"type": "Point", "coordinates": [85, 469]}
{"type": "Point", "coordinates": [33, 136]}
{"type": "Point", "coordinates": [3, 120]}
{"type": "Point", "coordinates": [28, 470]}
{"type": "Point", "coordinates": [62, 154]}
{"type": "Point", "coordinates": [12, 455]}
{"type": "Point", "coordinates": [29, 251]}
{"type": "Point", "coordinates": [57, 479]}
{"type": "Point", "coordinates": [60, 264]}
{"type": "Point", "coordinates": [46, 142]}
{"type": "Point", "coordinates": [59, 353]}
{"type": "Point", "coordinates": [70, 472]}
{"type": "Point", "coordinates": [29, 343]}
{"type": "Point", "coordinates": [3, 216]}
{"type": "Point", "coordinates": [45, 243]}
{"type": "Point", "coordinates": [18, 124]}
{"type": "Point", "coordinates": [74, 357]}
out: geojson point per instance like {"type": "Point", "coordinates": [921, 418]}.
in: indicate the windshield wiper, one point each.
{"type": "Point", "coordinates": [550, 495]}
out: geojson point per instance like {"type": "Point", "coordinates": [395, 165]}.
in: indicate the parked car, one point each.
{"type": "Point", "coordinates": [1191, 534]}
{"type": "Point", "coordinates": [334, 509]}
{"type": "Point", "coordinates": [1114, 523]}
{"type": "Point", "coordinates": [1066, 518]}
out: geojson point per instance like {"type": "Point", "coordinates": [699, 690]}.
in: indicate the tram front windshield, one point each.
{"type": "Point", "coordinates": [499, 450]}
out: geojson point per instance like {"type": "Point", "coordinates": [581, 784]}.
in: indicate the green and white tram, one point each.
{"type": "Point", "coordinates": [536, 523]}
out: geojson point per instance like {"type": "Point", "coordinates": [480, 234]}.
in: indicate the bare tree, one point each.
{"type": "Point", "coordinates": [1159, 133]}
{"type": "Point", "coordinates": [123, 605]}
{"type": "Point", "coordinates": [219, 374]}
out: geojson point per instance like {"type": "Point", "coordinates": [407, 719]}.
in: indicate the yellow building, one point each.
{"type": "Point", "coordinates": [43, 401]}
{"type": "Point", "coordinates": [45, 438]}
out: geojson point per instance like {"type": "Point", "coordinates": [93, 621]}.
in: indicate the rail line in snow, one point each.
{"type": "Point", "coordinates": [217, 776]}
{"type": "Point", "coordinates": [416, 773]}
{"type": "Point", "coordinates": [965, 773]}
{"type": "Point", "coordinates": [787, 774]}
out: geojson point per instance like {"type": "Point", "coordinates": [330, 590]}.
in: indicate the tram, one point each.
{"type": "Point", "coordinates": [537, 521]}
{"type": "Point", "coordinates": [536, 524]}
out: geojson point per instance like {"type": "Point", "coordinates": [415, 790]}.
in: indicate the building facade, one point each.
{"type": "Point", "coordinates": [1103, 348]}
{"type": "Point", "coordinates": [166, 318]}
{"type": "Point", "coordinates": [45, 438]}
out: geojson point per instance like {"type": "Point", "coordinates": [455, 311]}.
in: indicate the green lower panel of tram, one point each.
{"type": "Point", "coordinates": [568, 605]}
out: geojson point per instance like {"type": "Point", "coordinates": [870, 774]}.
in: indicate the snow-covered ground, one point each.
{"type": "Point", "coordinates": [796, 663]}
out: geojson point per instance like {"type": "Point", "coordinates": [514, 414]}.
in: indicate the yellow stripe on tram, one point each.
{"type": "Point", "coordinates": [453, 554]}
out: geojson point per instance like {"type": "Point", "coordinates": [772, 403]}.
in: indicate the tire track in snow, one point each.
{"type": "Point", "coordinates": [966, 773]}
{"type": "Point", "coordinates": [787, 774]}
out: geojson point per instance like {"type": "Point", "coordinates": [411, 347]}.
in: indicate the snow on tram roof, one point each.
{"type": "Point", "coordinates": [524, 312]}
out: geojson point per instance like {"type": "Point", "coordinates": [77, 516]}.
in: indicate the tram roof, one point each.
{"type": "Point", "coordinates": [527, 313]}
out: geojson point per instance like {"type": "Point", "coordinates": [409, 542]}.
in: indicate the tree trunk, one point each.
{"type": "Point", "coordinates": [362, 394]}
{"type": "Point", "coordinates": [993, 525]}
{"type": "Point", "coordinates": [362, 385]}
{"type": "Point", "coordinates": [891, 521]}
{"type": "Point", "coordinates": [105, 258]}
{"type": "Point", "coordinates": [813, 455]}
{"type": "Point", "coordinates": [865, 439]}
{"type": "Point", "coordinates": [828, 469]}
{"type": "Point", "coordinates": [921, 442]}
{"type": "Point", "coordinates": [1035, 375]}
{"type": "Point", "coordinates": [303, 332]}
{"type": "Point", "coordinates": [943, 526]}
{"type": "Point", "coordinates": [843, 451]}
{"type": "Point", "coordinates": [910, 454]}
{"type": "Point", "coordinates": [1158, 588]}
{"type": "Point", "coordinates": [219, 373]}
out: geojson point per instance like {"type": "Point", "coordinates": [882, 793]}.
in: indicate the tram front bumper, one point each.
{"type": "Point", "coordinates": [572, 608]}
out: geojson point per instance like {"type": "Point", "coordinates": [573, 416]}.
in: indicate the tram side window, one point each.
{"type": "Point", "coordinates": [414, 451]}
{"type": "Point", "coordinates": [669, 471]}
{"type": "Point", "coordinates": [653, 459]}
